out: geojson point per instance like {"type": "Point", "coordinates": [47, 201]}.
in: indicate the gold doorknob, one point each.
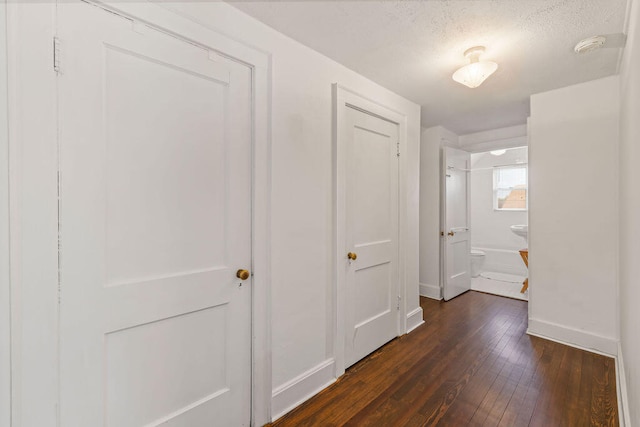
{"type": "Point", "coordinates": [451, 233]}
{"type": "Point", "coordinates": [352, 256]}
{"type": "Point", "coordinates": [243, 274]}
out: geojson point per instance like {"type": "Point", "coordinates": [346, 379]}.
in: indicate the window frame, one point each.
{"type": "Point", "coordinates": [496, 169]}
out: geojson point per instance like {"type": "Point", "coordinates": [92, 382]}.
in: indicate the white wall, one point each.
{"type": "Point", "coordinates": [490, 228]}
{"type": "Point", "coordinates": [302, 206]}
{"type": "Point", "coordinates": [493, 139]}
{"type": "Point", "coordinates": [629, 249]}
{"type": "Point", "coordinates": [573, 162]}
{"type": "Point", "coordinates": [431, 141]}
{"type": "Point", "coordinates": [5, 294]}
{"type": "Point", "coordinates": [302, 189]}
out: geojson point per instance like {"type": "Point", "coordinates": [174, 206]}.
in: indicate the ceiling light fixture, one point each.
{"type": "Point", "coordinates": [476, 72]}
{"type": "Point", "coordinates": [590, 44]}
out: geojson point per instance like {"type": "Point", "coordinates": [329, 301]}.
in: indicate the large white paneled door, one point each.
{"type": "Point", "coordinates": [371, 233]}
{"type": "Point", "coordinates": [155, 222]}
{"type": "Point", "coordinates": [456, 234]}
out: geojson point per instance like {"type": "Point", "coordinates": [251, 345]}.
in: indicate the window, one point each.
{"type": "Point", "coordinates": [510, 188]}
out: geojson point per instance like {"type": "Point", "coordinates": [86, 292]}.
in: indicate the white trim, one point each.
{"type": "Point", "coordinates": [341, 98]}
{"type": "Point", "coordinates": [622, 55]}
{"type": "Point", "coordinates": [163, 17]}
{"type": "Point", "coordinates": [498, 134]}
{"type": "Point", "coordinates": [498, 144]}
{"type": "Point", "coordinates": [403, 219]}
{"type": "Point", "coordinates": [304, 386]}
{"type": "Point", "coordinates": [532, 291]}
{"type": "Point", "coordinates": [5, 282]}
{"type": "Point", "coordinates": [430, 291]}
{"type": "Point", "coordinates": [623, 398]}
{"type": "Point", "coordinates": [509, 137]}
{"type": "Point", "coordinates": [414, 319]}
{"type": "Point", "coordinates": [261, 299]}
{"type": "Point", "coordinates": [33, 213]}
{"type": "Point", "coordinates": [33, 185]}
{"type": "Point", "coordinates": [573, 337]}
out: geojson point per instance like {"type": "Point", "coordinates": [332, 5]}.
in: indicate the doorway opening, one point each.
{"type": "Point", "coordinates": [498, 216]}
{"type": "Point", "coordinates": [489, 201]}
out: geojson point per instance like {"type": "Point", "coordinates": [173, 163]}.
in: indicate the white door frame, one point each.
{"type": "Point", "coordinates": [33, 159]}
{"type": "Point", "coordinates": [344, 98]}
{"type": "Point", "coordinates": [444, 226]}
{"type": "Point", "coordinates": [5, 284]}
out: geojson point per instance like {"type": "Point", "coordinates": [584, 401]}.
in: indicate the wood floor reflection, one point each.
{"type": "Point", "coordinates": [470, 364]}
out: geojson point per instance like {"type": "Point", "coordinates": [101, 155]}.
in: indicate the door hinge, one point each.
{"type": "Point", "coordinates": [398, 148]}
{"type": "Point", "coordinates": [56, 54]}
{"type": "Point", "coordinates": [398, 303]}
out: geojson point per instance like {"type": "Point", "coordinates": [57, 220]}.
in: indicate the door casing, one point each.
{"type": "Point", "coordinates": [446, 260]}
{"type": "Point", "coordinates": [5, 289]}
{"type": "Point", "coordinates": [33, 221]}
{"type": "Point", "coordinates": [344, 98]}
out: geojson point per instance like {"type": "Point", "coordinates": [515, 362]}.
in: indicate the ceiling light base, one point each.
{"type": "Point", "coordinates": [473, 53]}
{"type": "Point", "coordinates": [473, 74]}
{"type": "Point", "coordinates": [590, 44]}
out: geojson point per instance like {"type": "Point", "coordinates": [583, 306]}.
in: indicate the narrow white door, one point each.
{"type": "Point", "coordinates": [371, 251]}
{"type": "Point", "coordinates": [155, 222]}
{"type": "Point", "coordinates": [457, 245]}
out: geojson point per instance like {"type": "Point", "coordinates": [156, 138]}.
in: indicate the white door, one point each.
{"type": "Point", "coordinates": [155, 222]}
{"type": "Point", "coordinates": [457, 245]}
{"type": "Point", "coordinates": [371, 234]}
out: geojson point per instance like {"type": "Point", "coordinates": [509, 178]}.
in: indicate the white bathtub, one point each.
{"type": "Point", "coordinates": [502, 261]}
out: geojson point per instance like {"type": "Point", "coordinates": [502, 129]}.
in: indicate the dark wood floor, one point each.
{"type": "Point", "coordinates": [471, 364]}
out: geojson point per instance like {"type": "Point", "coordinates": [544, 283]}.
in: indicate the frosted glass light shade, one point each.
{"type": "Point", "coordinates": [472, 75]}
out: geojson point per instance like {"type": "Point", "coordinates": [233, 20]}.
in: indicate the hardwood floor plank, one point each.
{"type": "Point", "coordinates": [476, 390]}
{"type": "Point", "coordinates": [438, 406]}
{"type": "Point", "coordinates": [576, 413]}
{"type": "Point", "coordinates": [603, 402]}
{"type": "Point", "coordinates": [546, 405]}
{"type": "Point", "coordinates": [470, 364]}
{"type": "Point", "coordinates": [522, 403]}
{"type": "Point", "coordinates": [437, 371]}
{"type": "Point", "coordinates": [513, 375]}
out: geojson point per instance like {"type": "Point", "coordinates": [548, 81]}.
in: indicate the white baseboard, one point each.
{"type": "Point", "coordinates": [430, 291]}
{"type": "Point", "coordinates": [414, 319]}
{"type": "Point", "coordinates": [623, 397]}
{"type": "Point", "coordinates": [573, 337]}
{"type": "Point", "coordinates": [294, 392]}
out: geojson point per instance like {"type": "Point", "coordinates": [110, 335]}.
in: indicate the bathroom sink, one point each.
{"type": "Point", "coordinates": [520, 230]}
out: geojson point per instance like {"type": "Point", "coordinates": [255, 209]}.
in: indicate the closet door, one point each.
{"type": "Point", "coordinates": [371, 234]}
{"type": "Point", "coordinates": [155, 222]}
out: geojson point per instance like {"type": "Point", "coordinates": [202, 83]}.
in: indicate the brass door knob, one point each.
{"type": "Point", "coordinates": [352, 256]}
{"type": "Point", "coordinates": [451, 233]}
{"type": "Point", "coordinates": [243, 274]}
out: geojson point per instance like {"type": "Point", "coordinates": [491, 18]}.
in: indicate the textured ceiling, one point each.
{"type": "Point", "coordinates": [412, 47]}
